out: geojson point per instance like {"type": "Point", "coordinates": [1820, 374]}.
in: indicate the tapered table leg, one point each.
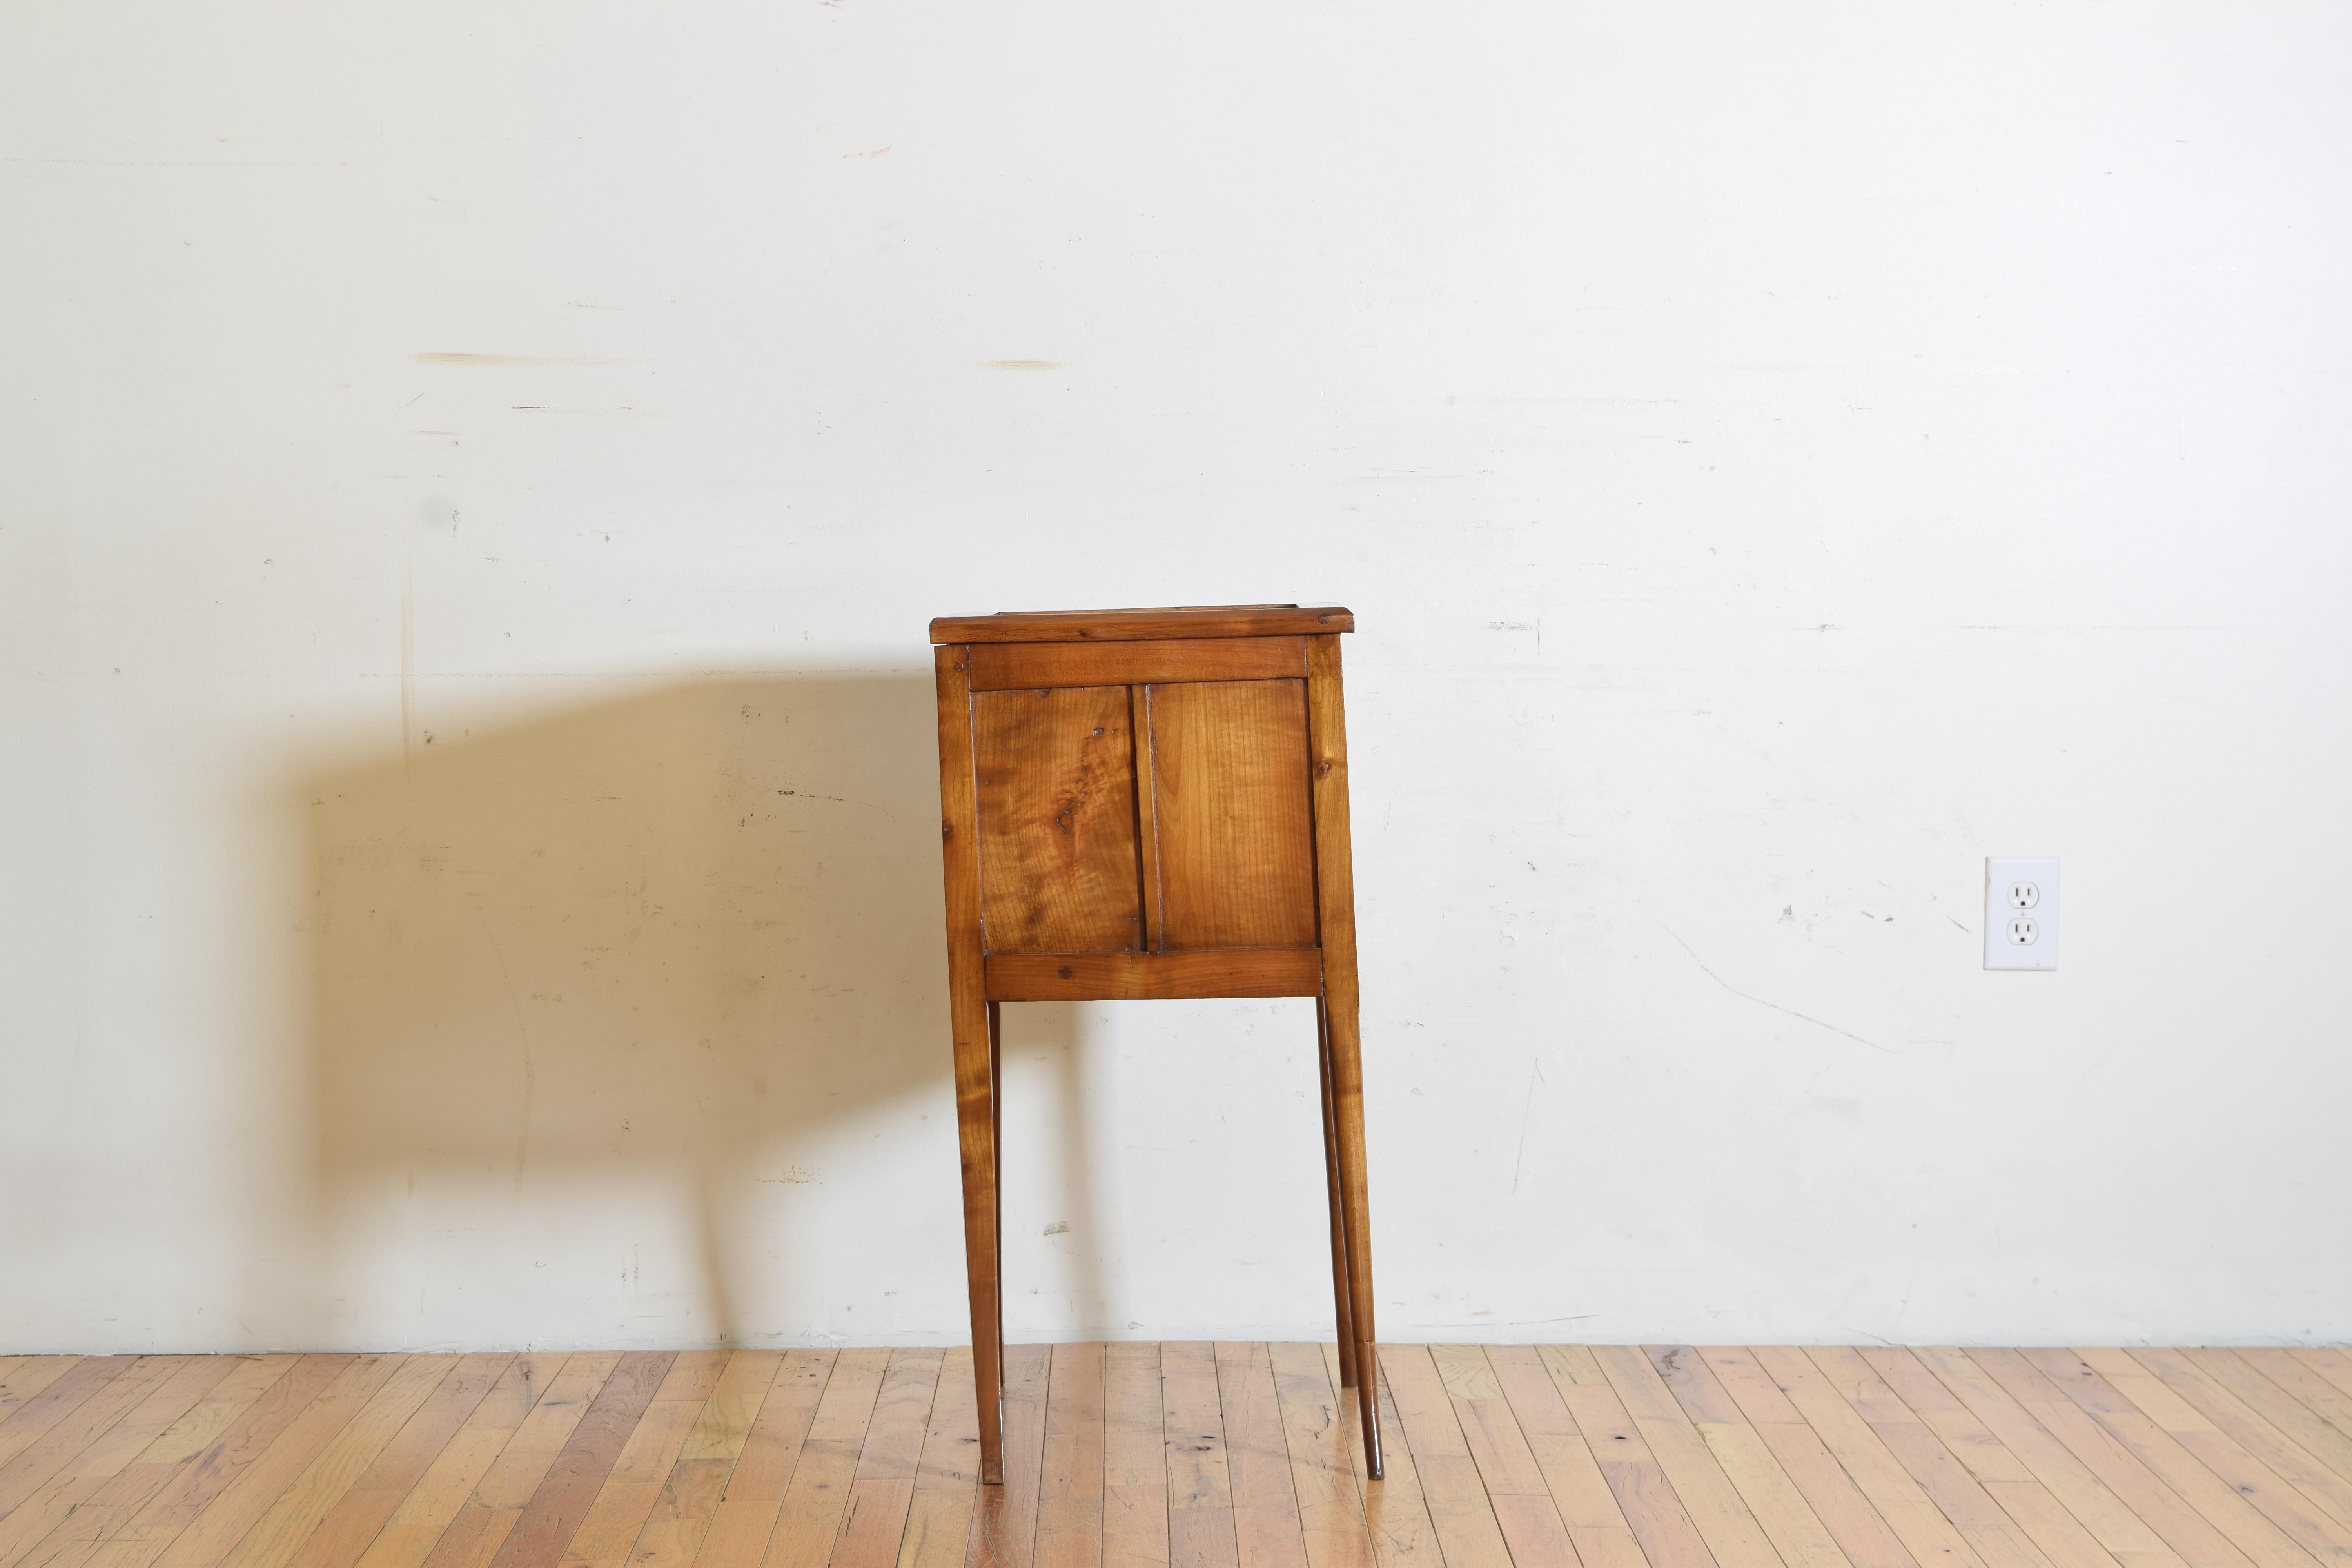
{"type": "Point", "coordinates": [1348, 1103]}
{"type": "Point", "coordinates": [1343, 1313]}
{"type": "Point", "coordinates": [976, 1123]}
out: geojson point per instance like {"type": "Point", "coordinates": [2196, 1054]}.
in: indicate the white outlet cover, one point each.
{"type": "Point", "coordinates": [2021, 911]}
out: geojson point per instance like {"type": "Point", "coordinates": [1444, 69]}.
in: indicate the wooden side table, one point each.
{"type": "Point", "coordinates": [1149, 804]}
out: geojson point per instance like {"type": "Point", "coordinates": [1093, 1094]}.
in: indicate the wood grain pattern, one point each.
{"type": "Point", "coordinates": [663, 1494]}
{"type": "Point", "coordinates": [1335, 920]}
{"type": "Point", "coordinates": [1055, 775]}
{"type": "Point", "coordinates": [1141, 804]}
{"type": "Point", "coordinates": [447, 1486]}
{"type": "Point", "coordinates": [1467, 1529]}
{"type": "Point", "coordinates": [113, 1508]}
{"type": "Point", "coordinates": [1515, 1490]}
{"type": "Point", "coordinates": [2187, 1531]}
{"type": "Point", "coordinates": [1140, 1456]}
{"type": "Point", "coordinates": [1071, 1464]}
{"type": "Point", "coordinates": [1266, 1527]}
{"type": "Point", "coordinates": [1004, 1517]}
{"type": "Point", "coordinates": [1200, 1492]}
{"type": "Point", "coordinates": [562, 1498]}
{"type": "Point", "coordinates": [972, 1020]}
{"type": "Point", "coordinates": [1147, 822]}
{"type": "Point", "coordinates": [2186, 1401]}
{"type": "Point", "coordinates": [30, 1421]}
{"type": "Point", "coordinates": [1132, 976]}
{"type": "Point", "coordinates": [214, 1532]}
{"type": "Point", "coordinates": [25, 1377]}
{"type": "Point", "coordinates": [1395, 1510]}
{"type": "Point", "coordinates": [304, 1505]}
{"type": "Point", "coordinates": [1864, 1537]}
{"type": "Point", "coordinates": [1237, 839]}
{"type": "Point", "coordinates": [1006, 667]}
{"type": "Point", "coordinates": [882, 1488]}
{"type": "Point", "coordinates": [1322, 1479]}
{"type": "Point", "coordinates": [2222, 1481]}
{"type": "Point", "coordinates": [1127, 625]}
{"type": "Point", "coordinates": [1135, 1461]}
{"type": "Point", "coordinates": [2330, 1446]}
{"type": "Point", "coordinates": [938, 1520]}
{"type": "Point", "coordinates": [81, 1474]}
{"type": "Point", "coordinates": [402, 1465]}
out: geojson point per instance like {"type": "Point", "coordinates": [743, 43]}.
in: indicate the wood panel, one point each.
{"type": "Point", "coordinates": [1132, 976]}
{"type": "Point", "coordinates": [1055, 775]}
{"type": "Point", "coordinates": [1126, 625]}
{"type": "Point", "coordinates": [1229, 770]}
{"type": "Point", "coordinates": [1006, 667]}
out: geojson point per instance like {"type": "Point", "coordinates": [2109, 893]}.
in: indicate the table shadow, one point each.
{"type": "Point", "coordinates": [669, 954]}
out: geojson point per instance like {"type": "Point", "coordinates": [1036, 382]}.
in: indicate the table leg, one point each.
{"type": "Point", "coordinates": [976, 1125]}
{"type": "Point", "coordinates": [1343, 1313]}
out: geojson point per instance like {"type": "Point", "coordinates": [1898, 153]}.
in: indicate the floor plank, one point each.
{"type": "Point", "coordinates": [1236, 1455]}
{"type": "Point", "coordinates": [1978, 1516]}
{"type": "Point", "coordinates": [2186, 1531]}
{"type": "Point", "coordinates": [83, 1475]}
{"type": "Point", "coordinates": [214, 1533]}
{"type": "Point", "coordinates": [1723, 1519]}
{"type": "Point", "coordinates": [1469, 1532]}
{"type": "Point", "coordinates": [883, 1486]}
{"type": "Point", "coordinates": [355, 1521]}
{"type": "Point", "coordinates": [1070, 1471]}
{"type": "Point", "coordinates": [1867, 1541]}
{"type": "Point", "coordinates": [79, 1382]}
{"type": "Point", "coordinates": [2258, 1513]}
{"type": "Point", "coordinates": [27, 1375]}
{"type": "Point", "coordinates": [809, 1514]}
{"type": "Point", "coordinates": [563, 1496]}
{"type": "Point", "coordinates": [1669, 1537]}
{"type": "Point", "coordinates": [1796, 1532]}
{"type": "Point", "coordinates": [665, 1490]}
{"type": "Point", "coordinates": [1931, 1539]}
{"type": "Point", "coordinates": [2200, 1399]}
{"type": "Point", "coordinates": [1322, 1481]}
{"type": "Point", "coordinates": [115, 1504]}
{"type": "Point", "coordinates": [938, 1520]}
{"type": "Point", "coordinates": [1004, 1517]}
{"type": "Point", "coordinates": [312, 1495]}
{"type": "Point", "coordinates": [1395, 1514]}
{"type": "Point", "coordinates": [441, 1493]}
{"type": "Point", "coordinates": [1200, 1489]}
{"type": "Point", "coordinates": [747, 1508]}
{"type": "Point", "coordinates": [2275, 1405]}
{"type": "Point", "coordinates": [475, 1537]}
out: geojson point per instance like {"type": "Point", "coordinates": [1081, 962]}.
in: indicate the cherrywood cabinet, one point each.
{"type": "Point", "coordinates": [1143, 804]}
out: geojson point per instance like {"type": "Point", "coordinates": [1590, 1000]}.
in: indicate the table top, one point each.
{"type": "Point", "coordinates": [1176, 621]}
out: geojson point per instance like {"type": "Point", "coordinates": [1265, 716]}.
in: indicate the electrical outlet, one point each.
{"type": "Point", "coordinates": [2020, 913]}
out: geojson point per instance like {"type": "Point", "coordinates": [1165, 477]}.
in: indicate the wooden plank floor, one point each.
{"type": "Point", "coordinates": [1184, 1455]}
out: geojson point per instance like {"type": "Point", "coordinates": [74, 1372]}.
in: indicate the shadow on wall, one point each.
{"type": "Point", "coordinates": [634, 978]}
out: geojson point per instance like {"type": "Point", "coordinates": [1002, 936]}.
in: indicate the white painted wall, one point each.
{"type": "Point", "coordinates": [476, 479]}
